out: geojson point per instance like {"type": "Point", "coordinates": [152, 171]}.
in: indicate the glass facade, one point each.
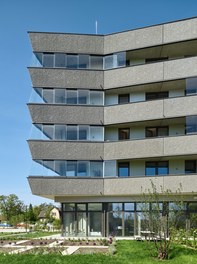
{"type": "Point", "coordinates": [67, 96]}
{"type": "Point", "coordinates": [122, 219]}
{"type": "Point", "coordinates": [80, 61]}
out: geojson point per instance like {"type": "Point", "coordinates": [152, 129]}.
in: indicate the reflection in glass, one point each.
{"type": "Point", "coordinates": [95, 223]}
{"type": "Point", "coordinates": [69, 224]}
{"type": "Point", "coordinates": [82, 168]}
{"type": "Point", "coordinates": [96, 98]}
{"type": "Point", "coordinates": [48, 60]}
{"type": "Point", "coordinates": [83, 97]}
{"type": "Point", "coordinates": [48, 96]}
{"type": "Point", "coordinates": [84, 61]}
{"type": "Point", "coordinates": [129, 224]}
{"type": "Point", "coordinates": [96, 62]}
{"type": "Point", "coordinates": [72, 61]}
{"type": "Point", "coordinates": [71, 132]}
{"type": "Point", "coordinates": [60, 96]}
{"type": "Point", "coordinates": [60, 60]}
{"type": "Point", "coordinates": [71, 168]}
{"type": "Point", "coordinates": [115, 223]}
{"type": "Point", "coordinates": [71, 97]}
{"type": "Point", "coordinates": [60, 132]}
{"type": "Point", "coordinates": [96, 169]}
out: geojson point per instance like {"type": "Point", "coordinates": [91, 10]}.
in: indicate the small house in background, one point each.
{"type": "Point", "coordinates": [42, 216]}
{"type": "Point", "coordinates": [55, 213]}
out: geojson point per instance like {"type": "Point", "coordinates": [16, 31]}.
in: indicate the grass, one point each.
{"type": "Point", "coordinates": [30, 235]}
{"type": "Point", "coordinates": [128, 252]}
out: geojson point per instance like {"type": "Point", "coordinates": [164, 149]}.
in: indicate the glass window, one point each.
{"type": "Point", "coordinates": [72, 61]}
{"type": "Point", "coordinates": [96, 98]}
{"type": "Point", "coordinates": [191, 124]}
{"type": "Point", "coordinates": [60, 167]}
{"type": "Point", "coordinates": [142, 206]}
{"type": "Point", "coordinates": [156, 95]}
{"type": "Point", "coordinates": [190, 166]}
{"type": "Point", "coordinates": [124, 133]}
{"type": "Point", "coordinates": [192, 207]}
{"type": "Point", "coordinates": [96, 62]}
{"type": "Point", "coordinates": [60, 132]}
{"type": "Point", "coordinates": [96, 169]}
{"type": "Point", "coordinates": [96, 133]}
{"type": "Point", "coordinates": [69, 207]}
{"type": "Point", "coordinates": [49, 164]}
{"type": "Point", "coordinates": [60, 96]}
{"type": "Point", "coordinates": [129, 206]}
{"type": "Point", "coordinates": [156, 131]}
{"type": "Point", "coordinates": [48, 60]}
{"type": "Point", "coordinates": [60, 60]}
{"type": "Point", "coordinates": [129, 220]}
{"type": "Point", "coordinates": [71, 132]}
{"type": "Point", "coordinates": [121, 59]}
{"type": "Point", "coordinates": [95, 207]}
{"type": "Point", "coordinates": [108, 62]}
{"type": "Point", "coordinates": [71, 169]}
{"type": "Point", "coordinates": [123, 169]}
{"type": "Point", "coordinates": [48, 131]}
{"type": "Point", "coordinates": [83, 97]}
{"type": "Point", "coordinates": [191, 86]}
{"type": "Point", "coordinates": [39, 57]}
{"type": "Point", "coordinates": [48, 95]}
{"type": "Point", "coordinates": [82, 168]}
{"type": "Point", "coordinates": [123, 98]}
{"type": "Point", "coordinates": [81, 207]}
{"type": "Point", "coordinates": [156, 168]}
{"type": "Point", "coordinates": [71, 97]}
{"type": "Point", "coordinates": [114, 207]}
{"type": "Point", "coordinates": [83, 132]}
{"type": "Point", "coordinates": [84, 61]}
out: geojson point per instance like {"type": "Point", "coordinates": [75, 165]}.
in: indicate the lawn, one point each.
{"type": "Point", "coordinates": [27, 235]}
{"type": "Point", "coordinates": [134, 252]}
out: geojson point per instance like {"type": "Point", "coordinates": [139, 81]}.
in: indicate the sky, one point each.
{"type": "Point", "coordinates": [69, 16]}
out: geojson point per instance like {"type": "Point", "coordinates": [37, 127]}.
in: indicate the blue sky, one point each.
{"type": "Point", "coordinates": [77, 16]}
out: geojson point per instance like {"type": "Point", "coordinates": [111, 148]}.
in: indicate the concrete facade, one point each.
{"type": "Point", "coordinates": [115, 113]}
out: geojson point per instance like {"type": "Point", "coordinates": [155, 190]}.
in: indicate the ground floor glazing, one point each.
{"type": "Point", "coordinates": [122, 219]}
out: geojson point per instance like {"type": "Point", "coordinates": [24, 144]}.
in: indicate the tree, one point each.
{"type": "Point", "coordinates": [31, 217]}
{"type": "Point", "coordinates": [160, 219]}
{"type": "Point", "coordinates": [11, 206]}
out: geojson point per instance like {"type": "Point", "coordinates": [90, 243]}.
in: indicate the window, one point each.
{"type": "Point", "coordinates": [96, 62]}
{"type": "Point", "coordinates": [71, 132]}
{"type": "Point", "coordinates": [190, 166]}
{"type": "Point", "coordinates": [156, 95]}
{"type": "Point", "coordinates": [156, 168]}
{"type": "Point", "coordinates": [48, 60]}
{"type": "Point", "coordinates": [191, 86]}
{"type": "Point", "coordinates": [123, 98]}
{"type": "Point", "coordinates": [157, 131]}
{"type": "Point", "coordinates": [84, 61]}
{"type": "Point", "coordinates": [124, 133]}
{"type": "Point", "coordinates": [72, 61]}
{"type": "Point", "coordinates": [191, 125]}
{"type": "Point", "coordinates": [60, 60]}
{"type": "Point", "coordinates": [71, 97]}
{"type": "Point", "coordinates": [123, 169]}
{"type": "Point", "coordinates": [150, 60]}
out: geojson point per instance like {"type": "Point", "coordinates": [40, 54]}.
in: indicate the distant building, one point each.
{"type": "Point", "coordinates": [111, 113]}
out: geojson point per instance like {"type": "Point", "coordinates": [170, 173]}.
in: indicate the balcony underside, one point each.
{"type": "Point", "coordinates": [107, 189]}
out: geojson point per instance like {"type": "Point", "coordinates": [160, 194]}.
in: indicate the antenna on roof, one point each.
{"type": "Point", "coordinates": [96, 25]}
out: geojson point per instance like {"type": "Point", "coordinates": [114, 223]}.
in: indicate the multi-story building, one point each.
{"type": "Point", "coordinates": [114, 113]}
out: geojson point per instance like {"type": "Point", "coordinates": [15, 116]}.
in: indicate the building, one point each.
{"type": "Point", "coordinates": [111, 113]}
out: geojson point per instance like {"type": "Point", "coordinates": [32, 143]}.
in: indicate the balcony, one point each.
{"type": "Point", "coordinates": [66, 114]}
{"type": "Point", "coordinates": [60, 188]}
{"type": "Point", "coordinates": [150, 110]}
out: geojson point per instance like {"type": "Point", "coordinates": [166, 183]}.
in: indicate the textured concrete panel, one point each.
{"type": "Point", "coordinates": [67, 43]}
{"type": "Point", "coordinates": [181, 106]}
{"type": "Point", "coordinates": [133, 75]}
{"type": "Point", "coordinates": [182, 145]}
{"type": "Point", "coordinates": [46, 186]}
{"type": "Point", "coordinates": [133, 112]}
{"type": "Point", "coordinates": [137, 186]}
{"type": "Point", "coordinates": [102, 190]}
{"type": "Point", "coordinates": [181, 68]}
{"type": "Point", "coordinates": [133, 149]}
{"type": "Point", "coordinates": [133, 39]}
{"type": "Point", "coordinates": [66, 150]}
{"type": "Point", "coordinates": [66, 114]}
{"type": "Point", "coordinates": [65, 78]}
{"type": "Point", "coordinates": [181, 30]}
